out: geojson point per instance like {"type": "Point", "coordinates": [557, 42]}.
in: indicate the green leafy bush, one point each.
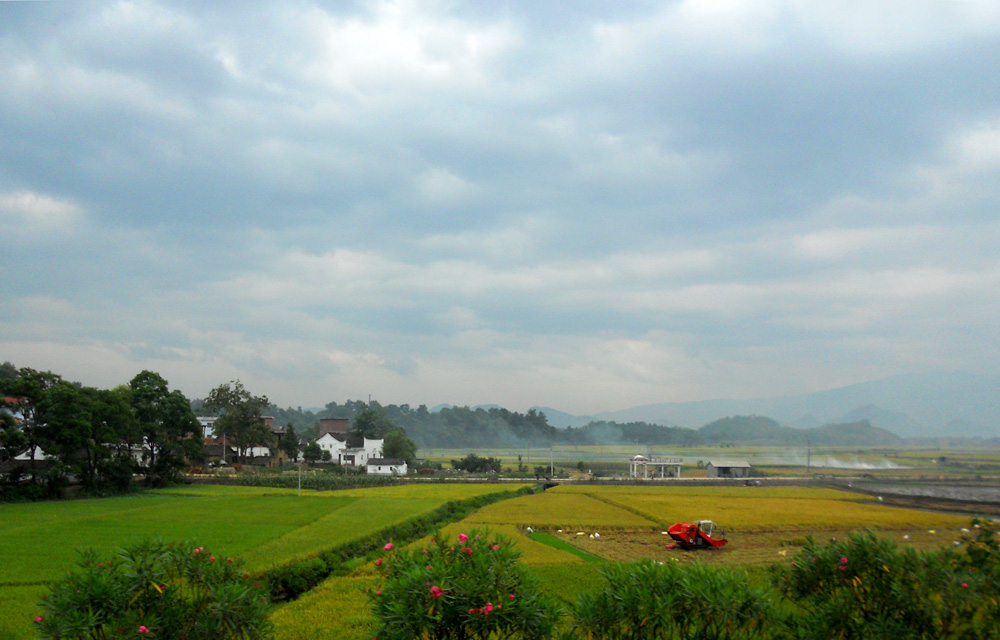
{"type": "Point", "coordinates": [868, 587]}
{"type": "Point", "coordinates": [654, 600]}
{"type": "Point", "coordinates": [472, 588]}
{"type": "Point", "coordinates": [155, 590]}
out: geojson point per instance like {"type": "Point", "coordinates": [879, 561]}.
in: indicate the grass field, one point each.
{"type": "Point", "coordinates": [264, 527]}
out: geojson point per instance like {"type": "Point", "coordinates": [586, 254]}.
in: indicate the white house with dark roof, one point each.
{"type": "Point", "coordinates": [350, 450]}
{"type": "Point", "coordinates": [387, 466]}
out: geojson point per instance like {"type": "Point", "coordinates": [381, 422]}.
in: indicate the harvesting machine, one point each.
{"type": "Point", "coordinates": [704, 533]}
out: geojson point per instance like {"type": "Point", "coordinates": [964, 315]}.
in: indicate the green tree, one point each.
{"type": "Point", "coordinates": [12, 441]}
{"type": "Point", "coordinates": [312, 452]}
{"type": "Point", "coordinates": [372, 423]}
{"type": "Point", "coordinates": [290, 443]}
{"type": "Point", "coordinates": [397, 445]}
{"type": "Point", "coordinates": [241, 421]}
{"type": "Point", "coordinates": [30, 390]}
{"type": "Point", "coordinates": [168, 426]}
{"type": "Point", "coordinates": [7, 371]}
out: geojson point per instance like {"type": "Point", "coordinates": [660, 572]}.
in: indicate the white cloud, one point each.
{"type": "Point", "coordinates": [440, 187]}
{"type": "Point", "coordinates": [837, 244]}
{"type": "Point", "coordinates": [398, 46]}
{"type": "Point", "coordinates": [27, 214]}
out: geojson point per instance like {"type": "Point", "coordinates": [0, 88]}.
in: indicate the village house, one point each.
{"type": "Point", "coordinates": [346, 449]}
{"type": "Point", "coordinates": [350, 450]}
{"type": "Point", "coordinates": [218, 449]}
{"type": "Point", "coordinates": [387, 466]}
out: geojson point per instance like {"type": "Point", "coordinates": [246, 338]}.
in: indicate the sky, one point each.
{"type": "Point", "coordinates": [582, 205]}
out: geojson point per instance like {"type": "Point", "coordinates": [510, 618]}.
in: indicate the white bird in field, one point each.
{"type": "Point", "coordinates": [880, 498]}
{"type": "Point", "coordinates": [530, 530]}
{"type": "Point", "coordinates": [965, 530]}
{"type": "Point", "coordinates": [591, 536]}
{"type": "Point", "coordinates": [597, 535]}
{"type": "Point", "coordinates": [906, 536]}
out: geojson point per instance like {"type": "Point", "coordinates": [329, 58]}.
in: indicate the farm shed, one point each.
{"type": "Point", "coordinates": [728, 469]}
{"type": "Point", "coordinates": [387, 466]}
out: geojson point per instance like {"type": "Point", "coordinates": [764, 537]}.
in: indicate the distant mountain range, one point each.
{"type": "Point", "coordinates": [949, 404]}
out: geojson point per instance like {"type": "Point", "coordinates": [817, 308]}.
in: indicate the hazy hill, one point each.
{"type": "Point", "coordinates": [932, 404]}
{"type": "Point", "coordinates": [760, 430]}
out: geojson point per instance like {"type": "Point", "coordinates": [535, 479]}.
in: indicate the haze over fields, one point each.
{"type": "Point", "coordinates": [589, 206]}
{"type": "Point", "coordinates": [957, 404]}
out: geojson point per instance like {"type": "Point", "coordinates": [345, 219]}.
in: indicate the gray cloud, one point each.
{"type": "Point", "coordinates": [581, 206]}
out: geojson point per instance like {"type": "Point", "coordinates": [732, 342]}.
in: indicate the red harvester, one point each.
{"type": "Point", "coordinates": [693, 536]}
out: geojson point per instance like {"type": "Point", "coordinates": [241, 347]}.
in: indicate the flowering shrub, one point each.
{"type": "Point", "coordinates": [654, 600]}
{"type": "Point", "coordinates": [869, 587]}
{"type": "Point", "coordinates": [472, 588]}
{"type": "Point", "coordinates": [155, 590]}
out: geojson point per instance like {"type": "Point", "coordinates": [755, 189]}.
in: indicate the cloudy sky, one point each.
{"type": "Point", "coordinates": [583, 205]}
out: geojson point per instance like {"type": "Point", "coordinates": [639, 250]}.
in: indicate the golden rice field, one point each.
{"type": "Point", "coordinates": [757, 508]}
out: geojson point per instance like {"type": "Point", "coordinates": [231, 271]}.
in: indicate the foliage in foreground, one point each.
{"type": "Point", "coordinates": [867, 587]}
{"type": "Point", "coordinates": [654, 600]}
{"type": "Point", "coordinates": [861, 588]}
{"type": "Point", "coordinates": [472, 588]}
{"type": "Point", "coordinates": [157, 590]}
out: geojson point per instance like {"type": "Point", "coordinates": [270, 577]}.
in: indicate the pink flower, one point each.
{"type": "Point", "coordinates": [843, 560]}
{"type": "Point", "coordinates": [462, 538]}
{"type": "Point", "coordinates": [965, 585]}
{"type": "Point", "coordinates": [143, 629]}
{"type": "Point", "coordinates": [388, 546]}
{"type": "Point", "coordinates": [496, 547]}
{"type": "Point", "coordinates": [468, 551]}
{"type": "Point", "coordinates": [428, 567]}
{"type": "Point", "coordinates": [211, 558]}
{"type": "Point", "coordinates": [511, 596]}
{"type": "Point", "coordinates": [379, 592]}
{"type": "Point", "coordinates": [437, 591]}
{"type": "Point", "coordinates": [473, 610]}
{"type": "Point", "coordinates": [39, 618]}
{"type": "Point", "coordinates": [378, 562]}
{"type": "Point", "coordinates": [197, 551]}
{"type": "Point", "coordinates": [488, 608]}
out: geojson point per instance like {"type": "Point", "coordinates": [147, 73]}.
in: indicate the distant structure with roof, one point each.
{"type": "Point", "coordinates": [728, 469]}
{"type": "Point", "coordinates": [641, 467]}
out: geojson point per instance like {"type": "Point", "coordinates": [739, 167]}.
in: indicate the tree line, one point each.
{"type": "Point", "coordinates": [98, 438]}
{"type": "Point", "coordinates": [495, 427]}
{"type": "Point", "coordinates": [104, 439]}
